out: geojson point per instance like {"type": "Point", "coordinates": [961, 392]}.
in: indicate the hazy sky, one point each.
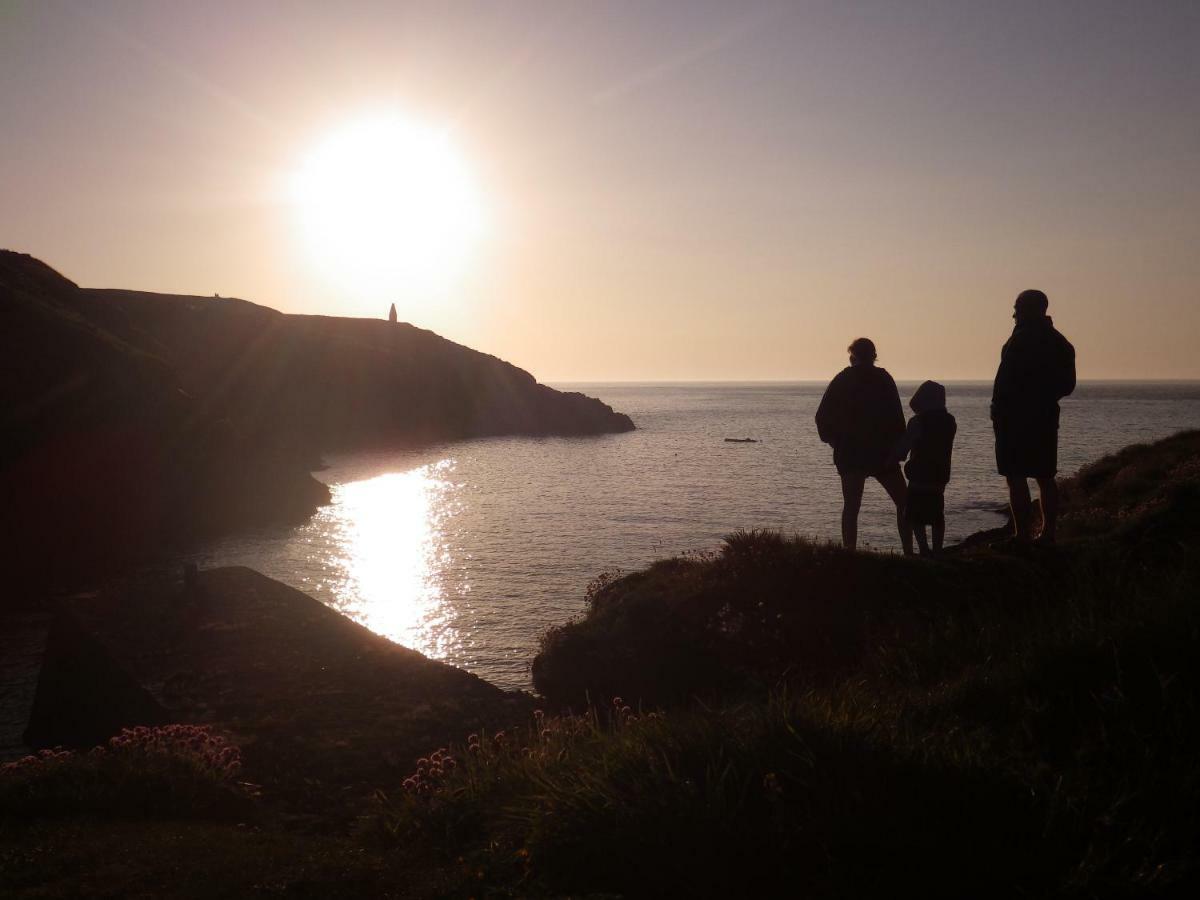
{"type": "Point", "coordinates": [683, 190]}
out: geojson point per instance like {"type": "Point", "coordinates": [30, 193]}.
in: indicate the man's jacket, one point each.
{"type": "Point", "coordinates": [1037, 369]}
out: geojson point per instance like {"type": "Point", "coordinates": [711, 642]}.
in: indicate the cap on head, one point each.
{"type": "Point", "coordinates": [863, 350]}
{"type": "Point", "coordinates": [1031, 303]}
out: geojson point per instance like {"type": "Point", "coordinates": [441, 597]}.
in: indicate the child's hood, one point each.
{"type": "Point", "coordinates": [929, 396]}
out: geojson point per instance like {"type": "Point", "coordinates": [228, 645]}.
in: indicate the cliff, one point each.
{"type": "Point", "coordinates": [104, 458]}
{"type": "Point", "coordinates": [336, 383]}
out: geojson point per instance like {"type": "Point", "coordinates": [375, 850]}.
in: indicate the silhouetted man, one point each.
{"type": "Point", "coordinates": [861, 418]}
{"type": "Point", "coordinates": [1037, 369]}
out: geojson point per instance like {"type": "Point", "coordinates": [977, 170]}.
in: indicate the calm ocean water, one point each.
{"type": "Point", "coordinates": [469, 551]}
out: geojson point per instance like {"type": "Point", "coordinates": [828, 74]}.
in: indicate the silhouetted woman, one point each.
{"type": "Point", "coordinates": [861, 418]}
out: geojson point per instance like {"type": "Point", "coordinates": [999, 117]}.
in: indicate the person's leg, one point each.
{"type": "Point", "coordinates": [922, 540]}
{"type": "Point", "coordinates": [1048, 491]}
{"type": "Point", "coordinates": [939, 532]}
{"type": "Point", "coordinates": [1021, 505]}
{"type": "Point", "coordinates": [897, 488]}
{"type": "Point", "coordinates": [852, 491]}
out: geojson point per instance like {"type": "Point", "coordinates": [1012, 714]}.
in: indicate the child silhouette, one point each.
{"type": "Point", "coordinates": [928, 443]}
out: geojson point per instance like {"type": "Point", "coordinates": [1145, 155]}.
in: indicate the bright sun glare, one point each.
{"type": "Point", "coordinates": [388, 206]}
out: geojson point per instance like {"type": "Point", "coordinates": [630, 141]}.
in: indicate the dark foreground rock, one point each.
{"type": "Point", "coordinates": [324, 710]}
{"type": "Point", "coordinates": [84, 696]}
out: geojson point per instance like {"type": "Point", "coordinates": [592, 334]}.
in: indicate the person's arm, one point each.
{"type": "Point", "coordinates": [827, 413]}
{"type": "Point", "coordinates": [950, 457]}
{"type": "Point", "coordinates": [895, 410]}
{"type": "Point", "coordinates": [904, 446]}
{"type": "Point", "coordinates": [1066, 384]}
{"type": "Point", "coordinates": [1001, 385]}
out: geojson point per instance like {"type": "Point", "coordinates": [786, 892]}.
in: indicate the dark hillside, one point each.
{"type": "Point", "coordinates": [63, 370]}
{"type": "Point", "coordinates": [329, 382]}
{"type": "Point", "coordinates": [104, 458]}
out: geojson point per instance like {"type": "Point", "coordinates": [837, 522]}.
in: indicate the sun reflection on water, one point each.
{"type": "Point", "coordinates": [393, 542]}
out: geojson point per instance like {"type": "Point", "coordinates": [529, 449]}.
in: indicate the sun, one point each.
{"type": "Point", "coordinates": [387, 206]}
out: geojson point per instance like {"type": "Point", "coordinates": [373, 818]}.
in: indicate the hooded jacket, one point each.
{"type": "Point", "coordinates": [929, 437]}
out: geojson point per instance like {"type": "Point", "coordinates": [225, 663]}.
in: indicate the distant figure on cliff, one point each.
{"type": "Point", "coordinates": [1037, 369]}
{"type": "Point", "coordinates": [861, 418]}
{"type": "Point", "coordinates": [392, 314]}
{"type": "Point", "coordinates": [928, 443]}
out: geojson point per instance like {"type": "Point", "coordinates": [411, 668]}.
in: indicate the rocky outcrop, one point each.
{"type": "Point", "coordinates": [309, 695]}
{"type": "Point", "coordinates": [84, 696]}
{"type": "Point", "coordinates": [105, 459]}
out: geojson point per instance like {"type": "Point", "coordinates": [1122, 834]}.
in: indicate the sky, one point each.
{"type": "Point", "coordinates": [657, 190]}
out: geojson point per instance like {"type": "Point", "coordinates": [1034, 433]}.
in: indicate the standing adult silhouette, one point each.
{"type": "Point", "coordinates": [861, 418]}
{"type": "Point", "coordinates": [1037, 369]}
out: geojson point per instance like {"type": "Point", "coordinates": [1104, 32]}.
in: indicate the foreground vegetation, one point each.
{"type": "Point", "coordinates": [169, 770]}
{"type": "Point", "coordinates": [1005, 721]}
{"type": "Point", "coordinates": [781, 718]}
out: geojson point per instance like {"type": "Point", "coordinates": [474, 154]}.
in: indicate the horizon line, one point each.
{"type": "Point", "coordinates": [647, 381]}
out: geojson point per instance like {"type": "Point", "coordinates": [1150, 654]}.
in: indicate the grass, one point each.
{"type": "Point", "coordinates": [172, 771]}
{"type": "Point", "coordinates": [1060, 760]}
{"type": "Point", "coordinates": [137, 859]}
{"type": "Point", "coordinates": [766, 608]}
{"type": "Point", "coordinates": [748, 799]}
{"type": "Point", "coordinates": [1057, 760]}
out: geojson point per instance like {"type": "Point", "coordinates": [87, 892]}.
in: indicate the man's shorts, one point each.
{"type": "Point", "coordinates": [1027, 446]}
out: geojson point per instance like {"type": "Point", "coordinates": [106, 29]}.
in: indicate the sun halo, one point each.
{"type": "Point", "coordinates": [388, 206]}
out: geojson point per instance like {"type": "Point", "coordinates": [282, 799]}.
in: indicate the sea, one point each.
{"type": "Point", "coordinates": [470, 551]}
